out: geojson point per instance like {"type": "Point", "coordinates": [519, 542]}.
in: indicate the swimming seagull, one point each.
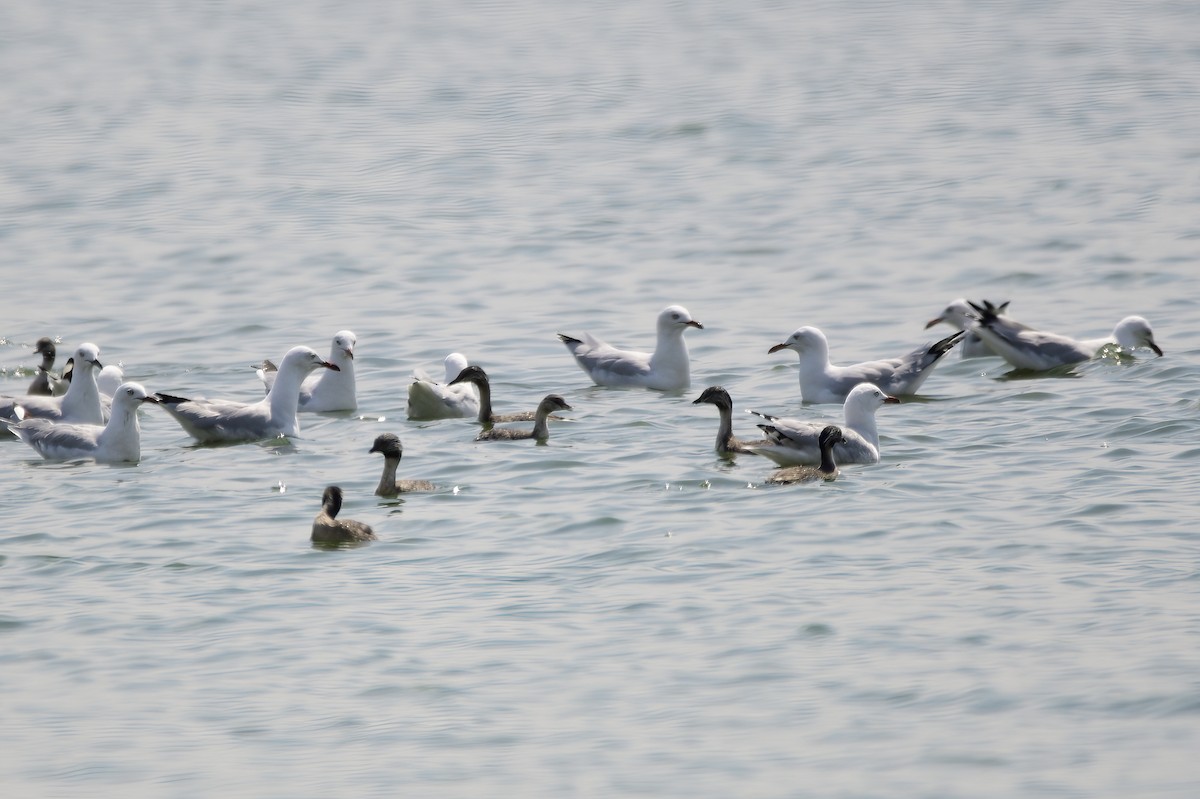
{"type": "Point", "coordinates": [81, 403]}
{"type": "Point", "coordinates": [119, 441]}
{"type": "Point", "coordinates": [958, 315]}
{"type": "Point", "coordinates": [214, 421]}
{"type": "Point", "coordinates": [109, 380]}
{"type": "Point", "coordinates": [821, 381]}
{"type": "Point", "coordinates": [478, 378]}
{"type": "Point", "coordinates": [540, 431]}
{"type": "Point", "coordinates": [828, 470]}
{"type": "Point", "coordinates": [794, 441]}
{"type": "Point", "coordinates": [45, 381]}
{"type": "Point", "coordinates": [333, 390]}
{"type": "Point", "coordinates": [389, 486]}
{"type": "Point", "coordinates": [328, 529]}
{"type": "Point", "coordinates": [726, 443]}
{"type": "Point", "coordinates": [1026, 348]}
{"type": "Point", "coordinates": [428, 399]}
{"type": "Point", "coordinates": [667, 369]}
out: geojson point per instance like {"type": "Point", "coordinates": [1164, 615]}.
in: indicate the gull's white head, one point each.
{"type": "Point", "coordinates": [957, 314]}
{"type": "Point", "coordinates": [131, 394]}
{"type": "Point", "coordinates": [676, 317]}
{"type": "Point", "coordinates": [1133, 332]}
{"type": "Point", "coordinates": [455, 362]}
{"type": "Point", "coordinates": [305, 359]}
{"type": "Point", "coordinates": [866, 396]}
{"type": "Point", "coordinates": [804, 340]}
{"type": "Point", "coordinates": [343, 346]}
{"type": "Point", "coordinates": [88, 357]}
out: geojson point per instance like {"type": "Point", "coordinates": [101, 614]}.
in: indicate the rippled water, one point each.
{"type": "Point", "coordinates": [1005, 606]}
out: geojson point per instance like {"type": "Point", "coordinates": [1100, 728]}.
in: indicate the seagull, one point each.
{"type": "Point", "coordinates": [821, 381]}
{"type": "Point", "coordinates": [431, 400]}
{"type": "Point", "coordinates": [828, 470]}
{"type": "Point", "coordinates": [119, 441]}
{"type": "Point", "coordinates": [793, 441]}
{"type": "Point", "coordinates": [1026, 348]}
{"type": "Point", "coordinates": [109, 380]}
{"type": "Point", "coordinates": [45, 381]}
{"type": "Point", "coordinates": [540, 431]}
{"type": "Point", "coordinates": [667, 369]}
{"type": "Point", "coordinates": [333, 390]}
{"type": "Point", "coordinates": [727, 445]}
{"type": "Point", "coordinates": [81, 403]}
{"type": "Point", "coordinates": [389, 486]}
{"type": "Point", "coordinates": [958, 315]}
{"type": "Point", "coordinates": [217, 421]}
{"type": "Point", "coordinates": [478, 378]}
{"type": "Point", "coordinates": [328, 529]}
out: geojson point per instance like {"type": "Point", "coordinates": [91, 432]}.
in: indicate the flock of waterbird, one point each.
{"type": "Point", "coordinates": [90, 413]}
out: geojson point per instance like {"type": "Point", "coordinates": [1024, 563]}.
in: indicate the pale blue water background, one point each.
{"type": "Point", "coordinates": [1006, 606]}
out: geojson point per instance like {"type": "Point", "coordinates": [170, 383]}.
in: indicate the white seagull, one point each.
{"type": "Point", "coordinates": [333, 390]}
{"type": "Point", "coordinates": [958, 315]}
{"type": "Point", "coordinates": [81, 403]}
{"type": "Point", "coordinates": [666, 369]}
{"type": "Point", "coordinates": [216, 421]}
{"type": "Point", "coordinates": [821, 381]}
{"type": "Point", "coordinates": [795, 442]}
{"type": "Point", "coordinates": [428, 399]}
{"type": "Point", "coordinates": [119, 441]}
{"type": "Point", "coordinates": [1026, 348]}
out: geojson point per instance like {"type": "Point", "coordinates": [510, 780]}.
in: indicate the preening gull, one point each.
{"type": "Point", "coordinates": [727, 444]}
{"type": "Point", "coordinates": [474, 375]}
{"type": "Point", "coordinates": [821, 381]}
{"type": "Point", "coordinates": [541, 429]}
{"type": "Point", "coordinates": [666, 369]}
{"type": "Point", "coordinates": [119, 441]}
{"type": "Point", "coordinates": [1026, 348]}
{"type": "Point", "coordinates": [332, 390]}
{"type": "Point", "coordinates": [45, 381]}
{"type": "Point", "coordinates": [215, 421]}
{"type": "Point", "coordinates": [81, 403]}
{"type": "Point", "coordinates": [328, 529]}
{"type": "Point", "coordinates": [827, 470]}
{"type": "Point", "coordinates": [389, 486]}
{"type": "Point", "coordinates": [428, 399]}
{"type": "Point", "coordinates": [795, 441]}
{"type": "Point", "coordinates": [958, 315]}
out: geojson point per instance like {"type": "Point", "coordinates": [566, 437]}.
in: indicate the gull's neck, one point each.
{"type": "Point", "coordinates": [862, 421]}
{"type": "Point", "coordinates": [671, 355]}
{"type": "Point", "coordinates": [81, 403]}
{"type": "Point", "coordinates": [284, 397]}
{"type": "Point", "coordinates": [122, 430]}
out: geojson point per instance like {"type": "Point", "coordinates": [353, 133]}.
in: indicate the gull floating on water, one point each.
{"type": "Point", "coordinates": [109, 380]}
{"type": "Point", "coordinates": [328, 529]}
{"type": "Point", "coordinates": [81, 403]}
{"type": "Point", "coordinates": [475, 376]}
{"type": "Point", "coordinates": [958, 315]}
{"type": "Point", "coordinates": [428, 399]}
{"type": "Point", "coordinates": [727, 444]}
{"type": "Point", "coordinates": [332, 390]}
{"type": "Point", "coordinates": [827, 470]}
{"type": "Point", "coordinates": [119, 441]}
{"type": "Point", "coordinates": [541, 429]}
{"type": "Point", "coordinates": [216, 421]}
{"type": "Point", "coordinates": [666, 369]}
{"type": "Point", "coordinates": [794, 441]}
{"type": "Point", "coordinates": [821, 381]}
{"type": "Point", "coordinates": [45, 382]}
{"type": "Point", "coordinates": [1026, 348]}
{"type": "Point", "coordinates": [389, 486]}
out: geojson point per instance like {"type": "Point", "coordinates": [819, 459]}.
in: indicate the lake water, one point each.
{"type": "Point", "coordinates": [1007, 605]}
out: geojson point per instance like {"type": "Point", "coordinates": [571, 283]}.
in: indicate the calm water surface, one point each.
{"type": "Point", "coordinates": [1005, 606]}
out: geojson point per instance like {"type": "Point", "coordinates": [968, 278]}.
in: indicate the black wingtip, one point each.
{"type": "Point", "coordinates": [565, 339]}
{"type": "Point", "coordinates": [940, 348]}
{"type": "Point", "coordinates": [169, 399]}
